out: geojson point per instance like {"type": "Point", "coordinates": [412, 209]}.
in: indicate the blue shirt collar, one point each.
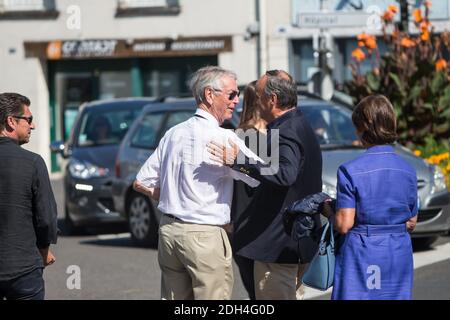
{"type": "Point", "coordinates": [384, 148]}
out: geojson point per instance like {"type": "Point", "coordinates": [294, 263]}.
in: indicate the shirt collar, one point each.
{"type": "Point", "coordinates": [385, 148]}
{"type": "Point", "coordinates": [8, 140]}
{"type": "Point", "coordinates": [208, 116]}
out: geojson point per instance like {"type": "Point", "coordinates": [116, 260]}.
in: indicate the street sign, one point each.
{"type": "Point", "coordinates": [331, 19]}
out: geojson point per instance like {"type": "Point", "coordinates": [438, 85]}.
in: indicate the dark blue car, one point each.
{"type": "Point", "coordinates": [89, 156]}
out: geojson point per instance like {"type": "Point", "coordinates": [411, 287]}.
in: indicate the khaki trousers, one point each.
{"type": "Point", "coordinates": [195, 261]}
{"type": "Point", "coordinates": [277, 281]}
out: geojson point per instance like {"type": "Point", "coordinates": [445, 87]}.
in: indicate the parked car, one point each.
{"type": "Point", "coordinates": [339, 143]}
{"type": "Point", "coordinates": [89, 156]}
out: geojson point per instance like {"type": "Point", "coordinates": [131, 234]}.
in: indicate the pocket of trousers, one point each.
{"type": "Point", "coordinates": [227, 252]}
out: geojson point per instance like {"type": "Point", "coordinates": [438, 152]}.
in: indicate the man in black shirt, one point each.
{"type": "Point", "coordinates": [28, 217]}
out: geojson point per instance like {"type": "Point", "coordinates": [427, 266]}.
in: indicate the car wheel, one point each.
{"type": "Point", "coordinates": [70, 228]}
{"type": "Point", "coordinates": [141, 220]}
{"type": "Point", "coordinates": [423, 243]}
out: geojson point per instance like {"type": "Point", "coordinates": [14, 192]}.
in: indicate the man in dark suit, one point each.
{"type": "Point", "coordinates": [259, 234]}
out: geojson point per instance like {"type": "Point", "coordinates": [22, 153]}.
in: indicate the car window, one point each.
{"type": "Point", "coordinates": [147, 132]}
{"type": "Point", "coordinates": [332, 125]}
{"type": "Point", "coordinates": [176, 118]}
{"type": "Point", "coordinates": [101, 127]}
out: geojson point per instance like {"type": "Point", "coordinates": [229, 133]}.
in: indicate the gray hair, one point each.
{"type": "Point", "coordinates": [281, 84]}
{"type": "Point", "coordinates": [208, 77]}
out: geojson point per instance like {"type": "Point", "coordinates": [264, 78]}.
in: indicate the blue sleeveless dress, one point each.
{"type": "Point", "coordinates": [375, 260]}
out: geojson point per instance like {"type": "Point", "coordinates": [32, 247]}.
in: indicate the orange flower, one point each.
{"type": "Point", "coordinates": [362, 36]}
{"type": "Point", "coordinates": [366, 40]}
{"type": "Point", "coordinates": [417, 153]}
{"type": "Point", "coordinates": [441, 64]}
{"type": "Point", "coordinates": [448, 78]}
{"type": "Point", "coordinates": [417, 14]}
{"type": "Point", "coordinates": [407, 42]}
{"type": "Point", "coordinates": [425, 36]}
{"type": "Point", "coordinates": [392, 8]}
{"type": "Point", "coordinates": [358, 54]}
{"type": "Point", "coordinates": [371, 43]}
{"type": "Point", "coordinates": [388, 16]}
{"type": "Point", "coordinates": [395, 33]}
{"type": "Point", "coordinates": [424, 25]}
{"type": "Point", "coordinates": [427, 3]}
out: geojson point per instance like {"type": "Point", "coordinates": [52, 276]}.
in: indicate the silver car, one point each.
{"type": "Point", "coordinates": [334, 129]}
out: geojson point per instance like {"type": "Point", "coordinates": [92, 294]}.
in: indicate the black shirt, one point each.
{"type": "Point", "coordinates": [28, 216]}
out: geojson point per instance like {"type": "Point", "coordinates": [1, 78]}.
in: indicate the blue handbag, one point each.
{"type": "Point", "coordinates": [320, 272]}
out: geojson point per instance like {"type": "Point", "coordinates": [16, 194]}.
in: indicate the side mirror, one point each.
{"type": "Point", "coordinates": [57, 147]}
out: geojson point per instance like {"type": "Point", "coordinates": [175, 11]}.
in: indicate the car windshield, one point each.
{"type": "Point", "coordinates": [103, 127]}
{"type": "Point", "coordinates": [332, 125]}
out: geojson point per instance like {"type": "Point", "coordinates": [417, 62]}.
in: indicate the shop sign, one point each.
{"type": "Point", "coordinates": [81, 49]}
{"type": "Point", "coordinates": [107, 48]}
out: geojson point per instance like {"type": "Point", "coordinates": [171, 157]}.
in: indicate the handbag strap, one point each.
{"type": "Point", "coordinates": [323, 243]}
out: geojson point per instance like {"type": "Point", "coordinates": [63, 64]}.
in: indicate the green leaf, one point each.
{"type": "Point", "coordinates": [442, 128]}
{"type": "Point", "coordinates": [428, 106]}
{"type": "Point", "coordinates": [446, 112]}
{"type": "Point", "coordinates": [444, 100]}
{"type": "Point", "coordinates": [415, 92]}
{"type": "Point", "coordinates": [437, 82]}
{"type": "Point", "coordinates": [399, 84]}
{"type": "Point", "coordinates": [373, 81]}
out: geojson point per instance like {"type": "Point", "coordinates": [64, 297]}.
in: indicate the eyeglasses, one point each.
{"type": "Point", "coordinates": [232, 94]}
{"type": "Point", "coordinates": [27, 119]}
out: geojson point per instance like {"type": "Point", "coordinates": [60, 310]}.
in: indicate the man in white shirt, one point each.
{"type": "Point", "coordinates": [195, 193]}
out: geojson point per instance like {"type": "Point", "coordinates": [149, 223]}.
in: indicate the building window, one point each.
{"type": "Point", "coordinates": [303, 59]}
{"type": "Point", "coordinates": [25, 9]}
{"type": "Point", "coordinates": [127, 8]}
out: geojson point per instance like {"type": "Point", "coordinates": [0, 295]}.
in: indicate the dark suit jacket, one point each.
{"type": "Point", "coordinates": [259, 233]}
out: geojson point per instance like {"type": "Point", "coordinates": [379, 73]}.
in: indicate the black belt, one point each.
{"type": "Point", "coordinates": [171, 216]}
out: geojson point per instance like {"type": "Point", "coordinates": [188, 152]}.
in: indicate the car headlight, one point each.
{"type": "Point", "coordinates": [438, 180]}
{"type": "Point", "coordinates": [329, 189]}
{"type": "Point", "coordinates": [85, 170]}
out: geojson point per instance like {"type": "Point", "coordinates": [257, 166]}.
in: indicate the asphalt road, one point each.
{"type": "Point", "coordinates": [104, 264]}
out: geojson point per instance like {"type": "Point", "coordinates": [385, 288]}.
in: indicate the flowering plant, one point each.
{"type": "Point", "coordinates": [414, 75]}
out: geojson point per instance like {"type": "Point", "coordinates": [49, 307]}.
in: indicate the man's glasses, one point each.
{"type": "Point", "coordinates": [232, 94]}
{"type": "Point", "coordinates": [27, 119]}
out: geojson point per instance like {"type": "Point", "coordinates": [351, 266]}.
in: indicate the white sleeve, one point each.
{"type": "Point", "coordinates": [236, 175]}
{"type": "Point", "coordinates": [149, 173]}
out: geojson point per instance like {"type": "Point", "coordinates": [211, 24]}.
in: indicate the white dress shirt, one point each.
{"type": "Point", "coordinates": [193, 187]}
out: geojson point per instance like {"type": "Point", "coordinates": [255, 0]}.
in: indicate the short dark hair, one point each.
{"type": "Point", "coordinates": [375, 120]}
{"type": "Point", "coordinates": [281, 84]}
{"type": "Point", "coordinates": [11, 104]}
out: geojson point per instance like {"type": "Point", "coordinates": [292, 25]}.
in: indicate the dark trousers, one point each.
{"type": "Point", "coordinates": [245, 266]}
{"type": "Point", "coordinates": [29, 286]}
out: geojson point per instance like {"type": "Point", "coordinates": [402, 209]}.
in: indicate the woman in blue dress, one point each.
{"type": "Point", "coordinates": [376, 210]}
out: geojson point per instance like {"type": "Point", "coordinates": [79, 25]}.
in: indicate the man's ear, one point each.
{"type": "Point", "coordinates": [273, 100]}
{"type": "Point", "coordinates": [209, 93]}
{"type": "Point", "coordinates": [10, 124]}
